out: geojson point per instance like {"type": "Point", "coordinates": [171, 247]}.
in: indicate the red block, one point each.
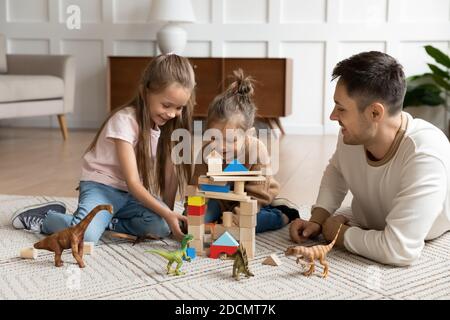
{"type": "Point", "coordinates": [215, 251]}
{"type": "Point", "coordinates": [196, 210]}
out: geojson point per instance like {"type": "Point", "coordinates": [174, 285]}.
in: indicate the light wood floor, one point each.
{"type": "Point", "coordinates": [39, 162]}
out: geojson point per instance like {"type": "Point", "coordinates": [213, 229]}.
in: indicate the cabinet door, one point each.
{"type": "Point", "coordinates": [124, 74]}
{"type": "Point", "coordinates": [208, 76]}
{"type": "Point", "coordinates": [270, 87]}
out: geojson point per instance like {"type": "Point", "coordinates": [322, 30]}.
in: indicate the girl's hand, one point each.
{"type": "Point", "coordinates": [173, 220]}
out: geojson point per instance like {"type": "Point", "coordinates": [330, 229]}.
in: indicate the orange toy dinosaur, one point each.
{"type": "Point", "coordinates": [318, 252]}
{"type": "Point", "coordinates": [70, 238]}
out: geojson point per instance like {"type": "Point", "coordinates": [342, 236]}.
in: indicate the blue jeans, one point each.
{"type": "Point", "coordinates": [129, 215]}
{"type": "Point", "coordinates": [268, 218]}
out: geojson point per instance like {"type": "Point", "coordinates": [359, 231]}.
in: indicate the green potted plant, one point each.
{"type": "Point", "coordinates": [430, 89]}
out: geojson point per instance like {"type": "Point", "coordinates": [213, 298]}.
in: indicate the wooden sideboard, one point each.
{"type": "Point", "coordinates": [273, 88]}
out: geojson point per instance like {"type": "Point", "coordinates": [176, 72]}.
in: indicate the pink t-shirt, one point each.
{"type": "Point", "coordinates": [101, 164]}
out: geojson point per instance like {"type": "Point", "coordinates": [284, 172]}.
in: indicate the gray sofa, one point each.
{"type": "Point", "coordinates": [36, 85]}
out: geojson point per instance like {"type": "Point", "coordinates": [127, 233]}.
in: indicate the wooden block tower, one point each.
{"type": "Point", "coordinates": [215, 185]}
{"type": "Point", "coordinates": [196, 219]}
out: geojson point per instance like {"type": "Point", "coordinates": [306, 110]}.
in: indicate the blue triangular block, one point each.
{"type": "Point", "coordinates": [226, 239]}
{"type": "Point", "coordinates": [235, 166]}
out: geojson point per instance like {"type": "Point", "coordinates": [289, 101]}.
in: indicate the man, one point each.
{"type": "Point", "coordinates": [396, 167]}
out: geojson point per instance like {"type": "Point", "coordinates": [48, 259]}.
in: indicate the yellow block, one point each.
{"type": "Point", "coordinates": [196, 201]}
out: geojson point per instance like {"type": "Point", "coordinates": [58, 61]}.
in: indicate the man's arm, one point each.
{"type": "Point", "coordinates": [420, 200]}
{"type": "Point", "coordinates": [333, 189]}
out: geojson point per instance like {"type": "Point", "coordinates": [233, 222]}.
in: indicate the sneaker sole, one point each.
{"type": "Point", "coordinates": [34, 206]}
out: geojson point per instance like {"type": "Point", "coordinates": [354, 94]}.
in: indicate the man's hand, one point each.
{"type": "Point", "coordinates": [173, 221]}
{"type": "Point", "coordinates": [331, 226]}
{"type": "Point", "coordinates": [302, 230]}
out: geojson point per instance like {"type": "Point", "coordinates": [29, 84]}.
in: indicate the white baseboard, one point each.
{"type": "Point", "coordinates": [52, 122]}
{"type": "Point", "coordinates": [303, 129]}
{"type": "Point", "coordinates": [49, 122]}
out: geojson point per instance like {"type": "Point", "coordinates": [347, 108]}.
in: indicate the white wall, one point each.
{"type": "Point", "coordinates": [315, 33]}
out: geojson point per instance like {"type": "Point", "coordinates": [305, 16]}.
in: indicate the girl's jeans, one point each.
{"type": "Point", "coordinates": [129, 216]}
{"type": "Point", "coordinates": [268, 218]}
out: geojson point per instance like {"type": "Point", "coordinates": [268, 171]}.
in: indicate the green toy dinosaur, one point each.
{"type": "Point", "coordinates": [176, 256]}
{"type": "Point", "coordinates": [240, 264]}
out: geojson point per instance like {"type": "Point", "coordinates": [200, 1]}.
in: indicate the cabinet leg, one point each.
{"type": "Point", "coordinates": [280, 126]}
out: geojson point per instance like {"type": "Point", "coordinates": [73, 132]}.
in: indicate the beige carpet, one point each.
{"type": "Point", "coordinates": [118, 270]}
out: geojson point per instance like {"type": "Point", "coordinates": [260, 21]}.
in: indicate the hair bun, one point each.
{"type": "Point", "coordinates": [242, 85]}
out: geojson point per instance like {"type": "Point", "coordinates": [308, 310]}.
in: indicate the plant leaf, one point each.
{"type": "Point", "coordinates": [438, 71]}
{"type": "Point", "coordinates": [425, 94]}
{"type": "Point", "coordinates": [438, 56]}
{"type": "Point", "coordinates": [442, 82]}
{"type": "Point", "coordinates": [417, 77]}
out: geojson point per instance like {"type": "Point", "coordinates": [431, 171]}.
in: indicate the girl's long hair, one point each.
{"type": "Point", "coordinates": [161, 72]}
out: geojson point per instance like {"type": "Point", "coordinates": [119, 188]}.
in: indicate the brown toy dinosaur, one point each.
{"type": "Point", "coordinates": [70, 238]}
{"type": "Point", "coordinates": [318, 252]}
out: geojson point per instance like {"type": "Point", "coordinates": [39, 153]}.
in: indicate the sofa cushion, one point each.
{"type": "Point", "coordinates": [27, 87]}
{"type": "Point", "coordinates": [3, 68]}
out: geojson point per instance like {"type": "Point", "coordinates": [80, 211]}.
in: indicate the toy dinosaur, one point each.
{"type": "Point", "coordinates": [175, 256]}
{"type": "Point", "coordinates": [240, 264]}
{"type": "Point", "coordinates": [318, 252]}
{"type": "Point", "coordinates": [72, 237]}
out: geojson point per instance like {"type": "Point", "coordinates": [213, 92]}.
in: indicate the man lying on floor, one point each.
{"type": "Point", "coordinates": [396, 167]}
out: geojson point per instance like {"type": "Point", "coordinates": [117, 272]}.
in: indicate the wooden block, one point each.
{"type": "Point", "coordinates": [196, 210]}
{"type": "Point", "coordinates": [226, 196]}
{"type": "Point", "coordinates": [88, 248]}
{"type": "Point", "coordinates": [213, 188]}
{"type": "Point", "coordinates": [207, 180]}
{"type": "Point", "coordinates": [241, 173]}
{"type": "Point", "coordinates": [195, 220]}
{"type": "Point", "coordinates": [227, 218]}
{"type": "Point", "coordinates": [29, 253]}
{"type": "Point", "coordinates": [207, 238]}
{"type": "Point", "coordinates": [248, 208]}
{"type": "Point", "coordinates": [214, 167]}
{"type": "Point", "coordinates": [198, 246]}
{"type": "Point", "coordinates": [237, 178]}
{"type": "Point", "coordinates": [272, 260]}
{"type": "Point", "coordinates": [191, 191]}
{"type": "Point", "coordinates": [219, 229]}
{"type": "Point", "coordinates": [214, 155]}
{"type": "Point", "coordinates": [250, 248]}
{"type": "Point", "coordinates": [239, 187]}
{"type": "Point", "coordinates": [247, 221]}
{"type": "Point", "coordinates": [209, 227]}
{"type": "Point", "coordinates": [197, 231]}
{"type": "Point", "coordinates": [247, 234]}
{"type": "Point", "coordinates": [196, 200]}
{"type": "Point", "coordinates": [191, 253]}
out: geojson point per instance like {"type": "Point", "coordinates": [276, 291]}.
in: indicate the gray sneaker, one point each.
{"type": "Point", "coordinates": [30, 218]}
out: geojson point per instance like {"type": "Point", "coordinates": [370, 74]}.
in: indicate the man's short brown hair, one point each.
{"type": "Point", "coordinates": [373, 76]}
